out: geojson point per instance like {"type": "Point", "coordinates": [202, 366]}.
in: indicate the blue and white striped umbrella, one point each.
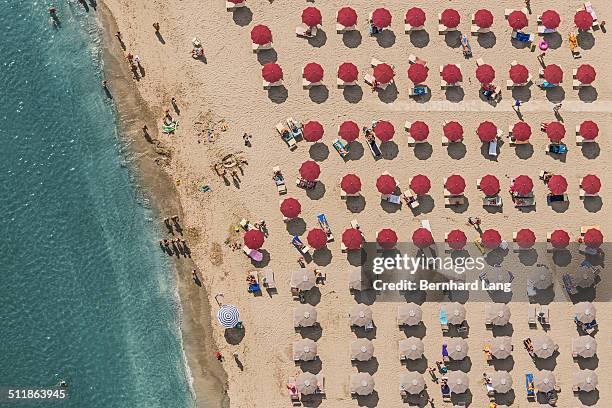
{"type": "Point", "coordinates": [228, 316]}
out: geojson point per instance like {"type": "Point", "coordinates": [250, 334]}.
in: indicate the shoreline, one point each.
{"type": "Point", "coordinates": [207, 378]}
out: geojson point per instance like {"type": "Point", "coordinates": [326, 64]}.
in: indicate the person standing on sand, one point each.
{"type": "Point", "coordinates": [156, 27]}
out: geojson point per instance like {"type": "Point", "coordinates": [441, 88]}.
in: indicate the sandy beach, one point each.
{"type": "Point", "coordinates": [227, 86]}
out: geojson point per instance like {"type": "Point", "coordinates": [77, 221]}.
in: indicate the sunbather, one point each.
{"type": "Point", "coordinates": [444, 388]}
{"type": "Point", "coordinates": [442, 368]}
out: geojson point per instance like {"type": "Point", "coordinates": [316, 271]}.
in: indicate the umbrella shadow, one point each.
{"type": "Point", "coordinates": [423, 151]}
{"type": "Point", "coordinates": [454, 94]}
{"type": "Point", "coordinates": [521, 93]}
{"type": "Point", "coordinates": [524, 152]}
{"type": "Point", "coordinates": [318, 94]}
{"type": "Point", "coordinates": [502, 331]}
{"type": "Point", "coordinates": [355, 204]}
{"type": "Point", "coordinates": [296, 226]}
{"type": "Point", "coordinates": [426, 205]}
{"type": "Point", "coordinates": [318, 151]}
{"type": "Point", "coordinates": [506, 398]}
{"type": "Point", "coordinates": [588, 94]}
{"type": "Point", "coordinates": [453, 39]}
{"type": "Point", "coordinates": [367, 297]}
{"type": "Point", "coordinates": [593, 204]}
{"type": "Point", "coordinates": [352, 39]}
{"type": "Point", "coordinates": [418, 330]}
{"type": "Point", "coordinates": [586, 40]}
{"type": "Point", "coordinates": [506, 364]}
{"type": "Point", "coordinates": [464, 398]}
{"type": "Point", "coordinates": [317, 192]}
{"type": "Point", "coordinates": [528, 257]}
{"type": "Point", "coordinates": [487, 40]}
{"type": "Point", "coordinates": [318, 40]}
{"type": "Point", "coordinates": [322, 257]}
{"type": "Point", "coordinates": [278, 94]}
{"type": "Point", "coordinates": [460, 209]}
{"type": "Point", "coordinates": [415, 296]}
{"type": "Point", "coordinates": [312, 366]}
{"type": "Point", "coordinates": [370, 366]}
{"type": "Point", "coordinates": [590, 363]}
{"type": "Point", "coordinates": [313, 333]}
{"type": "Point", "coordinates": [556, 94]}
{"type": "Point", "coordinates": [562, 257]}
{"type": "Point", "coordinates": [234, 336]}
{"type": "Point", "coordinates": [590, 150]}
{"type": "Point", "coordinates": [313, 400]}
{"type": "Point", "coordinates": [544, 296]}
{"type": "Point", "coordinates": [419, 365]}
{"type": "Point", "coordinates": [356, 258]}
{"type": "Point", "coordinates": [390, 208]}
{"type": "Point", "coordinates": [364, 333]}
{"type": "Point", "coordinates": [386, 39]}
{"type": "Point", "coordinates": [369, 401]}
{"type": "Point", "coordinates": [555, 40]}
{"type": "Point", "coordinates": [242, 16]}
{"type": "Point", "coordinates": [419, 39]}
{"type": "Point", "coordinates": [389, 94]}
{"type": "Point", "coordinates": [264, 261]}
{"type": "Point", "coordinates": [588, 398]}
{"type": "Point", "coordinates": [560, 207]}
{"type": "Point", "coordinates": [546, 363]}
{"type": "Point", "coordinates": [520, 45]}
{"type": "Point", "coordinates": [267, 56]}
{"type": "Point", "coordinates": [389, 150]}
{"type": "Point", "coordinates": [353, 93]}
{"type": "Point", "coordinates": [356, 150]}
{"type": "Point", "coordinates": [456, 151]}
{"type": "Point", "coordinates": [313, 296]}
{"type": "Point", "coordinates": [464, 365]}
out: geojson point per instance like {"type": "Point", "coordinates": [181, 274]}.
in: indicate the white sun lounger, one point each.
{"type": "Point", "coordinates": [306, 32]}
{"type": "Point", "coordinates": [232, 6]}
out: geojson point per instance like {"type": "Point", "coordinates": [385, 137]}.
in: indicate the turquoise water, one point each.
{"type": "Point", "coordinates": [86, 295]}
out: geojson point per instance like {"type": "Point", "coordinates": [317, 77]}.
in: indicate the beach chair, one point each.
{"type": "Point", "coordinates": [420, 90]}
{"type": "Point", "coordinates": [454, 201]}
{"type": "Point", "coordinates": [544, 315]}
{"type": "Point", "coordinates": [408, 28]}
{"type": "Point", "coordinates": [445, 357]}
{"type": "Point", "coordinates": [229, 6]}
{"type": "Point", "coordinates": [530, 387]}
{"type": "Point", "coordinates": [246, 225]}
{"type": "Point", "coordinates": [279, 180]}
{"type": "Point", "coordinates": [494, 201]}
{"type": "Point", "coordinates": [261, 47]}
{"type": "Point", "coordinates": [568, 284]}
{"type": "Point", "coordinates": [306, 32]}
{"type": "Point", "coordinates": [340, 29]}
{"type": "Point", "coordinates": [522, 37]}
{"type": "Point", "coordinates": [341, 148]}
{"type": "Point", "coordinates": [493, 148]}
{"type": "Point", "coordinates": [325, 227]}
{"type": "Point", "coordinates": [443, 320]}
{"type": "Point", "coordinates": [413, 59]}
{"type": "Point", "coordinates": [286, 135]}
{"type": "Point", "coordinates": [299, 245]}
{"type": "Point", "coordinates": [254, 287]}
{"type": "Point", "coordinates": [589, 8]}
{"type": "Point", "coordinates": [321, 383]}
{"type": "Point", "coordinates": [446, 393]}
{"type": "Point", "coordinates": [295, 127]}
{"type": "Point", "coordinates": [426, 224]}
{"type": "Point", "coordinates": [532, 312]}
{"type": "Point", "coordinates": [374, 148]}
{"type": "Point", "coordinates": [252, 253]}
{"type": "Point", "coordinates": [268, 279]}
{"type": "Point", "coordinates": [411, 201]}
{"type": "Point", "coordinates": [531, 289]}
{"type": "Point", "coordinates": [293, 391]}
{"type": "Point", "coordinates": [305, 184]}
{"type": "Point", "coordinates": [561, 198]}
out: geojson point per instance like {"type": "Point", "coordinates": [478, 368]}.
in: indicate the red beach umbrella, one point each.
{"type": "Point", "coordinates": [489, 185]}
{"type": "Point", "coordinates": [455, 184]}
{"type": "Point", "coordinates": [261, 34]}
{"type": "Point", "coordinates": [591, 184]}
{"type": "Point", "coordinates": [313, 72]}
{"type": "Point", "coordinates": [420, 184]}
{"type": "Point", "coordinates": [311, 16]}
{"type": "Point", "coordinates": [351, 238]}
{"type": "Point", "coordinates": [386, 238]}
{"type": "Point", "coordinates": [384, 130]}
{"type": "Point", "coordinates": [348, 72]}
{"type": "Point", "coordinates": [419, 130]}
{"type": "Point", "coordinates": [290, 207]}
{"type": "Point", "coordinates": [525, 238]}
{"type": "Point", "coordinates": [253, 239]}
{"type": "Point", "coordinates": [521, 131]}
{"type": "Point", "coordinates": [517, 20]}
{"type": "Point", "coordinates": [347, 16]}
{"type": "Point", "coordinates": [555, 131]}
{"type": "Point", "coordinates": [519, 74]}
{"type": "Point", "coordinates": [381, 18]}
{"type": "Point", "coordinates": [348, 130]}
{"type": "Point", "coordinates": [417, 73]}
{"type": "Point", "coordinates": [583, 20]}
{"type": "Point", "coordinates": [386, 184]}
{"type": "Point", "coordinates": [453, 131]}
{"type": "Point", "coordinates": [551, 19]}
{"type": "Point", "coordinates": [450, 18]}
{"type": "Point", "coordinates": [451, 73]}
{"type": "Point", "coordinates": [422, 238]}
{"type": "Point", "coordinates": [485, 74]}
{"type": "Point", "coordinates": [522, 185]}
{"type": "Point", "coordinates": [317, 238]}
{"type": "Point", "coordinates": [313, 131]}
{"type": "Point", "coordinates": [383, 73]}
{"type": "Point", "coordinates": [593, 238]}
{"type": "Point", "coordinates": [589, 130]}
{"type": "Point", "coordinates": [350, 184]}
{"type": "Point", "coordinates": [415, 16]}
{"type": "Point", "coordinates": [487, 131]}
{"type": "Point", "coordinates": [586, 73]}
{"type": "Point", "coordinates": [557, 184]}
{"type": "Point", "coordinates": [483, 18]}
{"type": "Point", "coordinates": [491, 238]}
{"type": "Point", "coordinates": [559, 239]}
{"type": "Point", "coordinates": [456, 239]}
{"type": "Point", "coordinates": [272, 72]}
{"type": "Point", "coordinates": [553, 74]}
{"type": "Point", "coordinates": [310, 170]}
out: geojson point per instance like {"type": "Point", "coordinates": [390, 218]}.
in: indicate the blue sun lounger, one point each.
{"type": "Point", "coordinates": [529, 386]}
{"type": "Point", "coordinates": [443, 320]}
{"type": "Point", "coordinates": [568, 284]}
{"type": "Point", "coordinates": [325, 227]}
{"type": "Point", "coordinates": [299, 245]}
{"type": "Point", "coordinates": [522, 37]}
{"type": "Point", "coordinates": [341, 148]}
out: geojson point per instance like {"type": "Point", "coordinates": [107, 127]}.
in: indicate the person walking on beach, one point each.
{"type": "Point", "coordinates": [556, 109]}
{"type": "Point", "coordinates": [541, 59]}
{"type": "Point", "coordinates": [156, 27]}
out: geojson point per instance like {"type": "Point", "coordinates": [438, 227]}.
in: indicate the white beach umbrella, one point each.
{"type": "Point", "coordinates": [497, 274]}
{"type": "Point", "coordinates": [305, 315]}
{"type": "Point", "coordinates": [458, 382]}
{"type": "Point", "coordinates": [412, 382]}
{"type": "Point", "coordinates": [411, 348]}
{"type": "Point", "coordinates": [584, 276]}
{"type": "Point", "coordinates": [409, 314]}
{"type": "Point", "coordinates": [360, 315]}
{"type": "Point", "coordinates": [457, 348]}
{"type": "Point", "coordinates": [303, 279]}
{"type": "Point", "coordinates": [304, 350]}
{"type": "Point", "coordinates": [307, 383]}
{"type": "Point", "coordinates": [355, 279]}
{"type": "Point", "coordinates": [362, 384]}
{"type": "Point", "coordinates": [362, 350]}
{"type": "Point", "coordinates": [585, 380]}
{"type": "Point", "coordinates": [541, 276]}
{"type": "Point", "coordinates": [584, 346]}
{"type": "Point", "coordinates": [455, 313]}
{"type": "Point", "coordinates": [545, 381]}
{"type": "Point", "coordinates": [228, 316]}
{"type": "Point", "coordinates": [501, 381]}
{"type": "Point", "coordinates": [544, 346]}
{"type": "Point", "coordinates": [501, 347]}
{"type": "Point", "coordinates": [585, 312]}
{"type": "Point", "coordinates": [497, 313]}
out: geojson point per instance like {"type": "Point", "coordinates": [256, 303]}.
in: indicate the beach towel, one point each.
{"type": "Point", "coordinates": [169, 128]}
{"type": "Point", "coordinates": [443, 319]}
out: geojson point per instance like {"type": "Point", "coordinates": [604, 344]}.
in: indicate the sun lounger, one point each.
{"type": "Point", "coordinates": [340, 29]}
{"type": "Point", "coordinates": [556, 148]}
{"type": "Point", "coordinates": [530, 387]}
{"type": "Point", "coordinates": [531, 289]}
{"type": "Point", "coordinates": [391, 198]}
{"type": "Point", "coordinates": [320, 383]}
{"type": "Point", "coordinates": [520, 202]}
{"type": "Point", "coordinates": [495, 201]}
{"type": "Point", "coordinates": [522, 37]}
{"type": "Point", "coordinates": [268, 279]}
{"type": "Point", "coordinates": [408, 28]}
{"type": "Point", "coordinates": [300, 246]}
{"type": "Point", "coordinates": [305, 184]}
{"type": "Point", "coordinates": [561, 198]}
{"type": "Point", "coordinates": [589, 8]}
{"type": "Point", "coordinates": [454, 200]}
{"type": "Point", "coordinates": [233, 6]}
{"type": "Point", "coordinates": [418, 91]}
{"type": "Point", "coordinates": [254, 286]}
{"type": "Point", "coordinates": [246, 225]}
{"type": "Point", "coordinates": [295, 127]}
{"type": "Point", "coordinates": [252, 253]}
{"type": "Point", "coordinates": [342, 84]}
{"type": "Point", "coordinates": [293, 391]}
{"type": "Point", "coordinates": [568, 284]}
{"type": "Point", "coordinates": [493, 148]}
{"type": "Point", "coordinates": [261, 47]}
{"type": "Point", "coordinates": [341, 148]}
{"type": "Point", "coordinates": [374, 148]}
{"type": "Point", "coordinates": [279, 180]}
{"type": "Point", "coordinates": [286, 135]}
{"type": "Point", "coordinates": [532, 312]}
{"type": "Point", "coordinates": [443, 321]}
{"type": "Point", "coordinates": [413, 59]}
{"type": "Point", "coordinates": [411, 201]}
{"type": "Point", "coordinates": [543, 30]}
{"type": "Point", "coordinates": [325, 227]}
{"type": "Point", "coordinates": [307, 32]}
{"type": "Point", "coordinates": [544, 315]}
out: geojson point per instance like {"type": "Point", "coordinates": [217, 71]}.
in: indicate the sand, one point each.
{"type": "Point", "coordinates": [228, 85]}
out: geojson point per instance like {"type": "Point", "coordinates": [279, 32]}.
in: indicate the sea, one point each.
{"type": "Point", "coordinates": [86, 295]}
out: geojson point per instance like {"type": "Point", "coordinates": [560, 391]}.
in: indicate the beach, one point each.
{"type": "Point", "coordinates": [226, 88]}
